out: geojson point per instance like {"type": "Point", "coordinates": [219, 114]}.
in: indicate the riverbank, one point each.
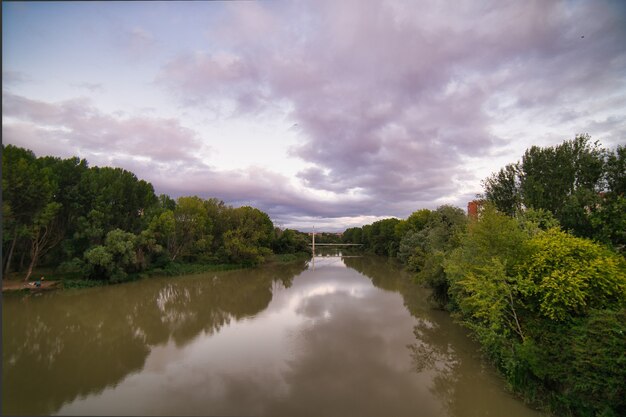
{"type": "Point", "coordinates": [62, 281]}
{"type": "Point", "coordinates": [17, 285]}
{"type": "Point", "coordinates": [281, 330]}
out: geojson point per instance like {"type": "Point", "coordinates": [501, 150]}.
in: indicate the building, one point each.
{"type": "Point", "coordinates": [474, 208]}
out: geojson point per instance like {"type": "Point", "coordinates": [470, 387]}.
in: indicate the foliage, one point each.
{"type": "Point", "coordinates": [503, 189]}
{"type": "Point", "coordinates": [538, 300]}
{"type": "Point", "coordinates": [290, 241]}
{"type": "Point", "coordinates": [249, 241]}
{"type": "Point", "coordinates": [382, 238]}
{"type": "Point", "coordinates": [535, 220]}
{"type": "Point", "coordinates": [352, 235]}
{"type": "Point", "coordinates": [580, 183]}
{"type": "Point", "coordinates": [566, 276]}
{"type": "Point", "coordinates": [326, 237]}
{"type": "Point", "coordinates": [482, 274]}
{"type": "Point", "coordinates": [106, 223]}
{"type": "Point", "coordinates": [422, 242]}
{"type": "Point", "coordinates": [30, 212]}
{"type": "Point", "coordinates": [192, 228]}
{"type": "Point", "coordinates": [547, 306]}
{"type": "Point", "coordinates": [113, 260]}
{"type": "Point", "coordinates": [411, 247]}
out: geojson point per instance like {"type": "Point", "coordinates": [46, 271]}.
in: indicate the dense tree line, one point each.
{"type": "Point", "coordinates": [105, 223]}
{"type": "Point", "coordinates": [326, 237]}
{"type": "Point", "coordinates": [539, 276]}
{"type": "Point", "coordinates": [578, 181]}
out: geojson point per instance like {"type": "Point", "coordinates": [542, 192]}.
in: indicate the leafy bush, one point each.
{"type": "Point", "coordinates": [566, 276]}
{"type": "Point", "coordinates": [548, 309]}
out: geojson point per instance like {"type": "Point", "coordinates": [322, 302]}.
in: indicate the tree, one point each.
{"type": "Point", "coordinates": [439, 236]}
{"type": "Point", "coordinates": [609, 219]}
{"type": "Point", "coordinates": [115, 259]}
{"type": "Point", "coordinates": [44, 234]}
{"type": "Point", "coordinates": [250, 238]}
{"type": "Point", "coordinates": [352, 235]}
{"type": "Point", "coordinates": [119, 198]}
{"type": "Point", "coordinates": [219, 216]}
{"type": "Point", "coordinates": [566, 180]}
{"type": "Point", "coordinates": [65, 175]}
{"type": "Point", "coordinates": [578, 181]}
{"type": "Point", "coordinates": [482, 273]}
{"type": "Point", "coordinates": [383, 239]}
{"type": "Point", "coordinates": [503, 189]}
{"type": "Point", "coordinates": [28, 194]}
{"type": "Point", "coordinates": [191, 227]}
{"type": "Point", "coordinates": [290, 241]}
{"type": "Point", "coordinates": [567, 276]}
{"type": "Point", "coordinates": [163, 228]}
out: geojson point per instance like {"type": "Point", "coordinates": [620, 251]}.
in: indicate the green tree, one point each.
{"type": "Point", "coordinates": [290, 241]}
{"type": "Point", "coordinates": [482, 273]}
{"type": "Point", "coordinates": [44, 234]}
{"type": "Point", "coordinates": [28, 202]}
{"type": "Point", "coordinates": [113, 198]}
{"type": "Point", "coordinates": [413, 239]}
{"type": "Point", "coordinates": [66, 175]}
{"type": "Point", "coordinates": [219, 215]}
{"type": "Point", "coordinates": [503, 189]}
{"type": "Point", "coordinates": [163, 228]}
{"type": "Point", "coordinates": [353, 235]}
{"type": "Point", "coordinates": [115, 259]}
{"type": "Point", "coordinates": [192, 228]}
{"type": "Point", "coordinates": [250, 238]}
{"type": "Point", "coordinates": [609, 218]}
{"type": "Point", "coordinates": [437, 239]}
{"type": "Point", "coordinates": [578, 181]}
{"type": "Point", "coordinates": [566, 180]}
{"type": "Point", "coordinates": [547, 307]}
{"type": "Point", "coordinates": [566, 276]}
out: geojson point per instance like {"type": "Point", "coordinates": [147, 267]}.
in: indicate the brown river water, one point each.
{"type": "Point", "coordinates": [340, 336]}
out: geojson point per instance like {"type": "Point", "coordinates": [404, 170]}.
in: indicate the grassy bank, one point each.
{"type": "Point", "coordinates": [74, 280]}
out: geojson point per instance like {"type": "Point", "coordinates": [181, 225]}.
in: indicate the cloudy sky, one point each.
{"type": "Point", "coordinates": [325, 113]}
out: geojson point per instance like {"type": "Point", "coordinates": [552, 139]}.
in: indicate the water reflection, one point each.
{"type": "Point", "coordinates": [352, 336]}
{"type": "Point", "coordinates": [465, 385]}
{"type": "Point", "coordinates": [57, 347]}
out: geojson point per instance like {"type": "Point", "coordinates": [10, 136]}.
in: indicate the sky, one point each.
{"type": "Point", "coordinates": [321, 113]}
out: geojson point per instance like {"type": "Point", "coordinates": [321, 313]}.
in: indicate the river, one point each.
{"type": "Point", "coordinates": [340, 336]}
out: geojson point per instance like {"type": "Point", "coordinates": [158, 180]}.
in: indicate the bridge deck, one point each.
{"type": "Point", "coordinates": [336, 244]}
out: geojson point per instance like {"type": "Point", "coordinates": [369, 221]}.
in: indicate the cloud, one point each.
{"type": "Point", "coordinates": [76, 126]}
{"type": "Point", "coordinates": [200, 75]}
{"type": "Point", "coordinates": [158, 150]}
{"type": "Point", "coordinates": [136, 43]}
{"type": "Point", "coordinates": [392, 99]}
{"type": "Point", "coordinates": [91, 87]}
{"type": "Point", "coordinates": [11, 78]}
{"type": "Point", "coordinates": [393, 105]}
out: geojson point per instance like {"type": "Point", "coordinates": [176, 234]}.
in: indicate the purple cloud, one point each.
{"type": "Point", "coordinates": [393, 97]}
{"type": "Point", "coordinates": [158, 150]}
{"type": "Point", "coordinates": [76, 127]}
{"type": "Point", "coordinates": [394, 104]}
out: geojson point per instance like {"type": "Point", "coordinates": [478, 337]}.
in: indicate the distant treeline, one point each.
{"type": "Point", "coordinates": [539, 275]}
{"type": "Point", "coordinates": [327, 237]}
{"type": "Point", "coordinates": [105, 224]}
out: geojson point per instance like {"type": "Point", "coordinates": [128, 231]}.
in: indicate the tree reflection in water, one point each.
{"type": "Point", "coordinates": [69, 344]}
{"type": "Point", "coordinates": [464, 382]}
{"type": "Point", "coordinates": [336, 340]}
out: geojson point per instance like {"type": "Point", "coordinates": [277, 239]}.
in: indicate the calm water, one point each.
{"type": "Point", "coordinates": [347, 336]}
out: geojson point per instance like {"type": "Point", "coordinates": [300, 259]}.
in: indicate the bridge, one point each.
{"type": "Point", "coordinates": [335, 244]}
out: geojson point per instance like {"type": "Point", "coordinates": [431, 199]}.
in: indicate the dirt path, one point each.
{"type": "Point", "coordinates": [14, 285]}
